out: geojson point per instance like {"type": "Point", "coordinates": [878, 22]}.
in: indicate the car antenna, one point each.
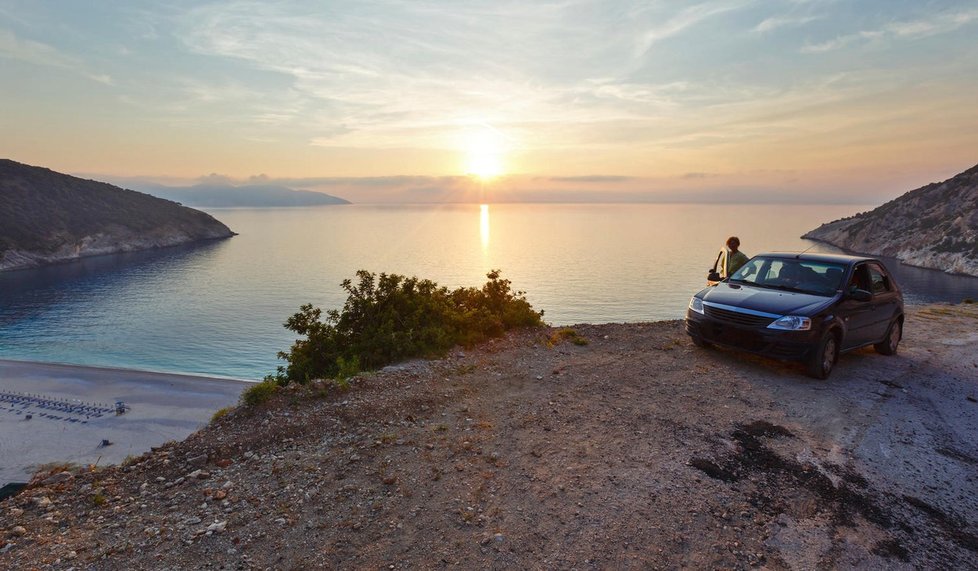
{"type": "Point", "coordinates": [798, 256]}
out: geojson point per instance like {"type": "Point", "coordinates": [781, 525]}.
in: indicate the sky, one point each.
{"type": "Point", "coordinates": [575, 100]}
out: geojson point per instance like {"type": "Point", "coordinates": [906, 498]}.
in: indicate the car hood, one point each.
{"type": "Point", "coordinates": [766, 300]}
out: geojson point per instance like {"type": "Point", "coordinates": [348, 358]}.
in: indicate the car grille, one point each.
{"type": "Point", "coordinates": [737, 317]}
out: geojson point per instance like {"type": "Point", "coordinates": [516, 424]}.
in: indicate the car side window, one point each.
{"type": "Point", "coordinates": [860, 278]}
{"type": "Point", "coordinates": [879, 280]}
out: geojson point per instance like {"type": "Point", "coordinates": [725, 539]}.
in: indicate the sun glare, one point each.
{"type": "Point", "coordinates": [484, 154]}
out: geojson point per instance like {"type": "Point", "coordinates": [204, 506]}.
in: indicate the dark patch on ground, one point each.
{"type": "Point", "coordinates": [957, 455]}
{"type": "Point", "coordinates": [890, 384]}
{"type": "Point", "coordinates": [713, 470]}
{"type": "Point", "coordinates": [892, 548]}
{"type": "Point", "coordinates": [754, 457]}
{"type": "Point", "coordinates": [765, 428]}
{"type": "Point", "coordinates": [842, 502]}
{"type": "Point", "coordinates": [951, 525]}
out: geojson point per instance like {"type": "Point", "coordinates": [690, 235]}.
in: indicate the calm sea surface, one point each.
{"type": "Point", "coordinates": [218, 308]}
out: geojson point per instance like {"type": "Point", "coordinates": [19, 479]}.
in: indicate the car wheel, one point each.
{"type": "Point", "coordinates": [888, 346]}
{"type": "Point", "coordinates": [826, 354]}
{"type": "Point", "coordinates": [699, 342]}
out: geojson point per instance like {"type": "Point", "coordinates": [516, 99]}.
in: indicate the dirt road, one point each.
{"type": "Point", "coordinates": [634, 451]}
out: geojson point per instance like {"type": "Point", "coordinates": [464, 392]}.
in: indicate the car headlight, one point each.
{"type": "Point", "coordinates": [791, 323]}
{"type": "Point", "coordinates": [696, 304]}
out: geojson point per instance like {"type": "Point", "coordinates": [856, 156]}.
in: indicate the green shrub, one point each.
{"type": "Point", "coordinates": [259, 393]}
{"type": "Point", "coordinates": [389, 318]}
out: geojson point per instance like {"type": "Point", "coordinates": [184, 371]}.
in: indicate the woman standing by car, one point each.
{"type": "Point", "coordinates": [729, 260]}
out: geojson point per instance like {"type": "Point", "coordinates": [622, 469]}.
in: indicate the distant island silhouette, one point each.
{"type": "Point", "coordinates": [252, 195]}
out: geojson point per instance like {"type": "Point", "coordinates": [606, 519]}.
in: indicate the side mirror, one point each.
{"type": "Point", "coordinates": [860, 295]}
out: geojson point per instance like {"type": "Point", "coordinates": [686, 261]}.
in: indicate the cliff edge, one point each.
{"type": "Point", "coordinates": [48, 217]}
{"type": "Point", "coordinates": [635, 450]}
{"type": "Point", "coordinates": [935, 226]}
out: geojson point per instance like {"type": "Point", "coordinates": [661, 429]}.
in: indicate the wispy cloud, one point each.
{"type": "Point", "coordinates": [910, 29]}
{"type": "Point", "coordinates": [775, 22]}
{"type": "Point", "coordinates": [682, 21]}
{"type": "Point", "coordinates": [38, 53]}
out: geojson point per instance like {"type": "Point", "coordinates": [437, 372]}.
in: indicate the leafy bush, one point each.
{"type": "Point", "coordinates": [259, 393]}
{"type": "Point", "coordinates": [389, 318]}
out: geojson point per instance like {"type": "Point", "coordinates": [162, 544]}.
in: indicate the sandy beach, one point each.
{"type": "Point", "coordinates": [72, 412]}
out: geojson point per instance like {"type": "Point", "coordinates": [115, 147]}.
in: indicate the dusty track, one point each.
{"type": "Point", "coordinates": [635, 451]}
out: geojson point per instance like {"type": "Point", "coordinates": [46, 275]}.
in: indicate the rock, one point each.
{"type": "Point", "coordinates": [58, 478]}
{"type": "Point", "coordinates": [217, 527]}
{"type": "Point", "coordinates": [197, 460]}
{"type": "Point", "coordinates": [390, 480]}
{"type": "Point", "coordinates": [223, 463]}
{"type": "Point", "coordinates": [198, 475]}
{"type": "Point", "coordinates": [220, 494]}
{"type": "Point", "coordinates": [16, 512]}
{"type": "Point", "coordinates": [42, 502]}
{"type": "Point", "coordinates": [18, 531]}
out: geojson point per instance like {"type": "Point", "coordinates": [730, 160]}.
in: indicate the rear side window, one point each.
{"type": "Point", "coordinates": [880, 282]}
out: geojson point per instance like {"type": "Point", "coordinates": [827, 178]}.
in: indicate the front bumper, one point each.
{"type": "Point", "coordinates": [787, 345]}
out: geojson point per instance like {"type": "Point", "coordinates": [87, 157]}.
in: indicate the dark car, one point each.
{"type": "Point", "coordinates": [802, 307]}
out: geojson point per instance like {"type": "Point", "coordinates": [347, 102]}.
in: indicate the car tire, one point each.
{"type": "Point", "coordinates": [825, 356]}
{"type": "Point", "coordinates": [700, 342]}
{"type": "Point", "coordinates": [890, 343]}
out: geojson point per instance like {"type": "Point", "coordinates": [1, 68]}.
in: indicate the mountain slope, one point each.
{"type": "Point", "coordinates": [244, 196]}
{"type": "Point", "coordinates": [48, 217]}
{"type": "Point", "coordinates": [935, 226]}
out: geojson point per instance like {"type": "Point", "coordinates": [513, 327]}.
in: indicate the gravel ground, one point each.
{"type": "Point", "coordinates": [633, 451]}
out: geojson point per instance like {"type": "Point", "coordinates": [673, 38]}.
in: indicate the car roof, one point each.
{"type": "Point", "coordinates": [830, 258]}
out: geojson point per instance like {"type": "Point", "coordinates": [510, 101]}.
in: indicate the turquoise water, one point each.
{"type": "Point", "coordinates": [218, 308]}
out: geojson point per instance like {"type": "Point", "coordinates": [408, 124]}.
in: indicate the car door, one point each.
{"type": "Point", "coordinates": [884, 306]}
{"type": "Point", "coordinates": [857, 315]}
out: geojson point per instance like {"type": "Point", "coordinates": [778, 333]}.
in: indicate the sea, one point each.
{"type": "Point", "coordinates": [218, 308]}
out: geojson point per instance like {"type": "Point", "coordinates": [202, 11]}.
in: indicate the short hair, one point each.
{"type": "Point", "coordinates": [733, 241]}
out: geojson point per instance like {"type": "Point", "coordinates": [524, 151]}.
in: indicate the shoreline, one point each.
{"type": "Point", "coordinates": [870, 255]}
{"type": "Point", "coordinates": [161, 407]}
{"type": "Point", "coordinates": [93, 368]}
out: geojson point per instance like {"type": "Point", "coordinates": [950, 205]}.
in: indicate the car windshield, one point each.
{"type": "Point", "coordinates": [790, 274]}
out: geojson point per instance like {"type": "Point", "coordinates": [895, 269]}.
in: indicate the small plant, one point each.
{"type": "Point", "coordinates": [347, 368]}
{"type": "Point", "coordinates": [969, 301]}
{"type": "Point", "coordinates": [566, 334]}
{"type": "Point", "coordinates": [99, 499]}
{"type": "Point", "coordinates": [259, 393]}
{"type": "Point", "coordinates": [221, 413]}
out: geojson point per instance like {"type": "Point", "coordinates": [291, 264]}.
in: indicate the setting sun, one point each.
{"type": "Point", "coordinates": [484, 153]}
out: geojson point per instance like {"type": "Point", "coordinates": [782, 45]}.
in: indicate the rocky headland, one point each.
{"type": "Point", "coordinates": [935, 226]}
{"type": "Point", "coordinates": [48, 217]}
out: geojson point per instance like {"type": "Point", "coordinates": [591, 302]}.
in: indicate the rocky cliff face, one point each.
{"type": "Point", "coordinates": [48, 217]}
{"type": "Point", "coordinates": [935, 226]}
